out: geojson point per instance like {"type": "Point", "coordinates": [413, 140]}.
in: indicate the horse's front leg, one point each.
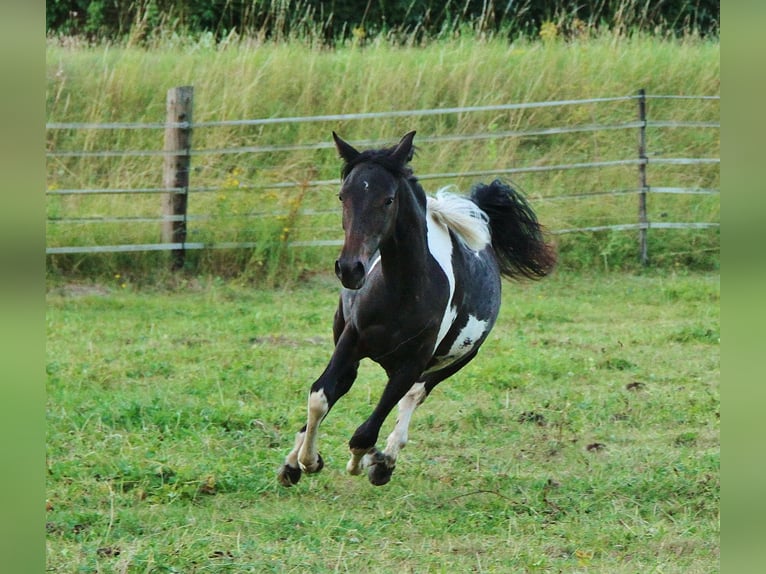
{"type": "Point", "coordinates": [309, 459]}
{"type": "Point", "coordinates": [290, 472]}
{"type": "Point", "coordinates": [334, 382]}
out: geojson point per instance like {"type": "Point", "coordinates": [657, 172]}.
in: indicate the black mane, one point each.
{"type": "Point", "coordinates": [384, 158]}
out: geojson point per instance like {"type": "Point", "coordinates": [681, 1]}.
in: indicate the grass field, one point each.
{"type": "Point", "coordinates": [584, 438]}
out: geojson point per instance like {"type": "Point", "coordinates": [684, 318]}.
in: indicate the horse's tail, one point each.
{"type": "Point", "coordinates": [517, 237]}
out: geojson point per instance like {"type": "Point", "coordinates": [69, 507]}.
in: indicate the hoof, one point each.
{"type": "Point", "coordinates": [380, 470]}
{"type": "Point", "coordinates": [316, 467]}
{"type": "Point", "coordinates": [289, 475]}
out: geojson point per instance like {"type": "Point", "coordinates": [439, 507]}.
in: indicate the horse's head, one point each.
{"type": "Point", "coordinates": [369, 193]}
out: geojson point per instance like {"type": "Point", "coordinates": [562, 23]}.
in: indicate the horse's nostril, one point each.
{"type": "Point", "coordinates": [351, 274]}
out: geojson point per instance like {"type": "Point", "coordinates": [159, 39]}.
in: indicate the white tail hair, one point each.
{"type": "Point", "coordinates": [462, 216]}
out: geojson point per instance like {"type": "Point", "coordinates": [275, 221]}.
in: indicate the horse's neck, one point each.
{"type": "Point", "coordinates": [405, 255]}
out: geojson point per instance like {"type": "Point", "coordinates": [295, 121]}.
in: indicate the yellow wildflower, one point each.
{"type": "Point", "coordinates": [548, 31]}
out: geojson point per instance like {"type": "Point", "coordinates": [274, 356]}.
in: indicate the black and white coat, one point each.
{"type": "Point", "coordinates": [421, 293]}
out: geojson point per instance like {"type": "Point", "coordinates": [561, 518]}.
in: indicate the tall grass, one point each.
{"type": "Point", "coordinates": [248, 78]}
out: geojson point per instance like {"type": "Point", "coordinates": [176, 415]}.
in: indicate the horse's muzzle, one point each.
{"type": "Point", "coordinates": [350, 273]}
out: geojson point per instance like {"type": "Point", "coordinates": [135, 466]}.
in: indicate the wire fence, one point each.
{"type": "Point", "coordinates": [639, 158]}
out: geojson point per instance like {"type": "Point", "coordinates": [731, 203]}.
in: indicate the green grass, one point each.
{"type": "Point", "coordinates": [584, 438]}
{"type": "Point", "coordinates": [249, 79]}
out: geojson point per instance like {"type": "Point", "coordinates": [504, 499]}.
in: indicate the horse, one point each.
{"type": "Point", "coordinates": [421, 281]}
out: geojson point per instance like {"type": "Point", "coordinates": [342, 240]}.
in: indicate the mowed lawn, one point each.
{"type": "Point", "coordinates": [583, 438]}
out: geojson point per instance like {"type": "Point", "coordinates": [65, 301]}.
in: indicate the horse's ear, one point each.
{"type": "Point", "coordinates": [404, 150]}
{"type": "Point", "coordinates": [346, 151]}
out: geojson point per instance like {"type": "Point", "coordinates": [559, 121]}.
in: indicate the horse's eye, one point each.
{"type": "Point", "coordinates": [389, 200]}
{"type": "Point", "coordinates": [340, 197]}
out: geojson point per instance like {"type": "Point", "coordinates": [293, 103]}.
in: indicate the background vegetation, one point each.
{"type": "Point", "coordinates": [329, 22]}
{"type": "Point", "coordinates": [246, 78]}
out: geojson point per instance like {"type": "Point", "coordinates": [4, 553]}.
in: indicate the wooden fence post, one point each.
{"type": "Point", "coordinates": [176, 171]}
{"type": "Point", "coordinates": [643, 187]}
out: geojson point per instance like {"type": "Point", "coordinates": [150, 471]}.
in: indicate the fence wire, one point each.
{"type": "Point", "coordinates": [376, 143]}
{"type": "Point", "coordinates": [423, 177]}
{"type": "Point", "coordinates": [321, 183]}
{"type": "Point", "coordinates": [360, 116]}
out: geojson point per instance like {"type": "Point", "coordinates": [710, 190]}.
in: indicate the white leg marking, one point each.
{"type": "Point", "coordinates": [308, 457]}
{"type": "Point", "coordinates": [360, 461]}
{"type": "Point", "coordinates": [355, 463]}
{"type": "Point", "coordinates": [292, 457]}
{"type": "Point", "coordinates": [398, 438]}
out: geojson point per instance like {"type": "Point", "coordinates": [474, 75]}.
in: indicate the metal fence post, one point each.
{"type": "Point", "coordinates": [643, 220]}
{"type": "Point", "coordinates": [176, 170]}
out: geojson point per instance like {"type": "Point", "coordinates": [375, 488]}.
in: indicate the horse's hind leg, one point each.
{"type": "Point", "coordinates": [382, 464]}
{"type": "Point", "coordinates": [398, 438]}
{"type": "Point", "coordinates": [364, 454]}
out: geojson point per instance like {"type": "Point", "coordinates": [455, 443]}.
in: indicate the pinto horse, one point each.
{"type": "Point", "coordinates": [421, 278]}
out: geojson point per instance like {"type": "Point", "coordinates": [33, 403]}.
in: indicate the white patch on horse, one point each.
{"type": "Point", "coordinates": [373, 264]}
{"type": "Point", "coordinates": [450, 211]}
{"type": "Point", "coordinates": [440, 246]}
{"type": "Point", "coordinates": [466, 340]}
{"type": "Point", "coordinates": [473, 331]}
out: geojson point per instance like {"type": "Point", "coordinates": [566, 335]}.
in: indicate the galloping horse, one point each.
{"type": "Point", "coordinates": [421, 278]}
